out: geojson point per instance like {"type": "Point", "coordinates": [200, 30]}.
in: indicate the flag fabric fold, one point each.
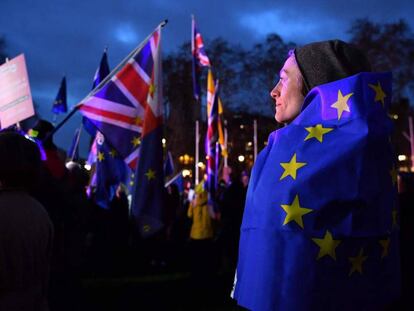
{"type": "Point", "coordinates": [321, 205]}
{"type": "Point", "coordinates": [60, 103]}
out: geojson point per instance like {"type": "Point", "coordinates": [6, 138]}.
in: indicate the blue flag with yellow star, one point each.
{"type": "Point", "coordinates": [111, 170]}
{"type": "Point", "coordinates": [59, 105]}
{"type": "Point", "coordinates": [148, 196]}
{"type": "Point", "coordinates": [320, 223]}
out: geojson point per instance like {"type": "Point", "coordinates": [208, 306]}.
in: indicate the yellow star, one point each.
{"type": "Point", "coordinates": [327, 245]}
{"type": "Point", "coordinates": [385, 247]}
{"type": "Point", "coordinates": [394, 175]}
{"type": "Point", "coordinates": [291, 167]}
{"type": "Point", "coordinates": [136, 141]}
{"type": "Point", "coordinates": [317, 132]}
{"type": "Point", "coordinates": [112, 153]}
{"type": "Point", "coordinates": [150, 174]}
{"type": "Point", "coordinates": [138, 120]}
{"type": "Point", "coordinates": [151, 89]}
{"type": "Point", "coordinates": [146, 228]}
{"type": "Point", "coordinates": [357, 262]}
{"type": "Point", "coordinates": [341, 104]}
{"type": "Point", "coordinates": [379, 93]}
{"type": "Point", "coordinates": [101, 156]}
{"type": "Point", "coordinates": [295, 212]}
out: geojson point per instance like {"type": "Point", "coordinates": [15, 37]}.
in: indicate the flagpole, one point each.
{"type": "Point", "coordinates": [102, 83]}
{"type": "Point", "coordinates": [410, 138]}
{"type": "Point", "coordinates": [197, 143]}
{"type": "Point", "coordinates": [410, 124]}
{"type": "Point", "coordinates": [57, 127]}
{"type": "Point", "coordinates": [122, 63]}
{"type": "Point", "coordinates": [225, 144]}
{"type": "Point", "coordinates": [172, 179]}
{"type": "Point", "coordinates": [76, 143]}
{"type": "Point", "coordinates": [255, 138]}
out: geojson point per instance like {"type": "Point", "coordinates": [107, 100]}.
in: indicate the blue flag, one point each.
{"type": "Point", "coordinates": [168, 165]}
{"type": "Point", "coordinates": [177, 180]}
{"type": "Point", "coordinates": [60, 105]}
{"type": "Point", "coordinates": [320, 222]}
{"type": "Point", "coordinates": [148, 198]}
{"type": "Point", "coordinates": [110, 172]}
{"type": "Point", "coordinates": [100, 74]}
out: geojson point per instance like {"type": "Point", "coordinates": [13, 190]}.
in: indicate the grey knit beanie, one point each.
{"type": "Point", "coordinates": [327, 61]}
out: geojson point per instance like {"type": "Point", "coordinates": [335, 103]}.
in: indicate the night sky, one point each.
{"type": "Point", "coordinates": [65, 37]}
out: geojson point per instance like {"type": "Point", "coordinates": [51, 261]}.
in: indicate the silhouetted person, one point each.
{"type": "Point", "coordinates": [406, 202]}
{"type": "Point", "coordinates": [26, 231]}
{"type": "Point", "coordinates": [232, 206]}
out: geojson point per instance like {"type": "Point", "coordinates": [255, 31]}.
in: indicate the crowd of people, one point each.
{"type": "Point", "coordinates": [53, 234]}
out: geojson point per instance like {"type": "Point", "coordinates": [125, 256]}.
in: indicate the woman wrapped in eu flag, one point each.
{"type": "Point", "coordinates": [320, 224]}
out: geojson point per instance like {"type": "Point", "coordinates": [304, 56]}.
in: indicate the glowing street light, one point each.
{"type": "Point", "coordinates": [402, 157]}
{"type": "Point", "coordinates": [186, 173]}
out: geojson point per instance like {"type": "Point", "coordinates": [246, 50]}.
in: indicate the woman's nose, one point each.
{"type": "Point", "coordinates": [275, 92]}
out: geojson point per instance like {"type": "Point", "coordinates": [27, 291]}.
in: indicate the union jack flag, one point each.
{"type": "Point", "coordinates": [212, 145]}
{"type": "Point", "coordinates": [211, 93]}
{"type": "Point", "coordinates": [200, 58]}
{"type": "Point", "coordinates": [119, 106]}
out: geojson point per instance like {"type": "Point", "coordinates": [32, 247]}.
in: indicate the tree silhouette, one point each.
{"type": "Point", "coordinates": [390, 47]}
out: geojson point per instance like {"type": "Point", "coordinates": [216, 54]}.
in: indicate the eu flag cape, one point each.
{"type": "Point", "coordinates": [320, 226]}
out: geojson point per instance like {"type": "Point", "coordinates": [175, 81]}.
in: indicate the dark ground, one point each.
{"type": "Point", "coordinates": [137, 282]}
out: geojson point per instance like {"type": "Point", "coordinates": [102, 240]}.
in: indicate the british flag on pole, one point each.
{"type": "Point", "coordinates": [118, 107]}
{"type": "Point", "coordinates": [127, 109]}
{"type": "Point", "coordinates": [200, 58]}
